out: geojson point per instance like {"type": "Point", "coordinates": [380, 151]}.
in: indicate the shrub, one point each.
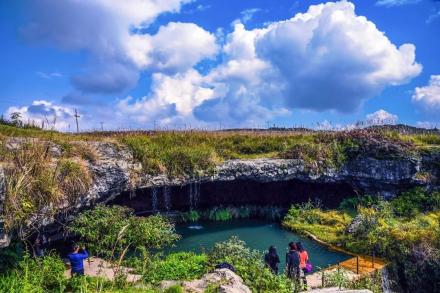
{"type": "Point", "coordinates": [411, 203]}
{"type": "Point", "coordinates": [113, 231]}
{"type": "Point", "coordinates": [35, 275]}
{"type": "Point", "coordinates": [176, 266]}
{"type": "Point", "coordinates": [220, 214]}
{"type": "Point", "coordinates": [326, 225]}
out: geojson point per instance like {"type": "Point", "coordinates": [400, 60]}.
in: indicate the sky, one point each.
{"type": "Point", "coordinates": [177, 64]}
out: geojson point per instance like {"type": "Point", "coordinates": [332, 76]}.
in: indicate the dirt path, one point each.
{"type": "Point", "coordinates": [97, 267]}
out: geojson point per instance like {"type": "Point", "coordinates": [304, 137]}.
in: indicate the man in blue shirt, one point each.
{"type": "Point", "coordinates": [76, 259]}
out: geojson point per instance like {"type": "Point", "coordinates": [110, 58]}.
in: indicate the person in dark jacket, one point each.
{"type": "Point", "coordinates": [292, 262]}
{"type": "Point", "coordinates": [272, 259]}
{"type": "Point", "coordinates": [76, 259]}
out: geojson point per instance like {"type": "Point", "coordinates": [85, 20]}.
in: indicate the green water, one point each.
{"type": "Point", "coordinates": [257, 234]}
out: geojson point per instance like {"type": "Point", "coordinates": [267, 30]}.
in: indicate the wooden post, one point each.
{"type": "Point", "coordinates": [372, 258]}
{"type": "Point", "coordinates": [357, 265]}
{"type": "Point", "coordinates": [322, 278]}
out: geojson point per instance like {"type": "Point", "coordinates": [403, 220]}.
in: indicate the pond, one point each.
{"type": "Point", "coordinates": [257, 234]}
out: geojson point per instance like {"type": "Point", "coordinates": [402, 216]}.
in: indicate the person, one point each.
{"type": "Point", "coordinates": [292, 262]}
{"type": "Point", "coordinates": [272, 259]}
{"type": "Point", "coordinates": [303, 259]}
{"type": "Point", "coordinates": [76, 259]}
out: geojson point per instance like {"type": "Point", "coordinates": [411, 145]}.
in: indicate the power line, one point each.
{"type": "Point", "coordinates": [76, 119]}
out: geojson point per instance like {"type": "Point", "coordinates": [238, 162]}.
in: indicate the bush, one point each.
{"type": "Point", "coordinates": [413, 202]}
{"type": "Point", "coordinates": [220, 214]}
{"type": "Point", "coordinates": [113, 231]}
{"type": "Point", "coordinates": [35, 275]}
{"type": "Point", "coordinates": [326, 225]}
{"type": "Point", "coordinates": [249, 265]}
{"type": "Point", "coordinates": [176, 266]}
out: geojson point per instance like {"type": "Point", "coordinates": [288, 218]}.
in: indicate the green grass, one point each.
{"type": "Point", "coordinates": [194, 153]}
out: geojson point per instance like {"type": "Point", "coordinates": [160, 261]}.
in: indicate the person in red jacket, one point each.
{"type": "Point", "coordinates": [303, 259]}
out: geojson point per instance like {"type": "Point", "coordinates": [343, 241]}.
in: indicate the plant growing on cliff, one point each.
{"type": "Point", "coordinates": [37, 184]}
{"type": "Point", "coordinates": [112, 231]}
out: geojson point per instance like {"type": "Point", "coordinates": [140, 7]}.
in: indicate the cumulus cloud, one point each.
{"type": "Point", "coordinates": [172, 99]}
{"type": "Point", "coordinates": [327, 58]}
{"type": "Point", "coordinates": [42, 112]}
{"type": "Point", "coordinates": [331, 59]}
{"type": "Point", "coordinates": [109, 31]}
{"type": "Point", "coordinates": [428, 97]}
{"type": "Point", "coordinates": [382, 117]}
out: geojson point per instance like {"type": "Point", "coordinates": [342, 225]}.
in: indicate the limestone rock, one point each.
{"type": "Point", "coordinates": [227, 281]}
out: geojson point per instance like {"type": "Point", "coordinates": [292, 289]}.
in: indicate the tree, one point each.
{"type": "Point", "coordinates": [112, 231]}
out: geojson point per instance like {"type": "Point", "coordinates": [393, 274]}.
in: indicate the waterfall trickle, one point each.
{"type": "Point", "coordinates": [167, 197]}
{"type": "Point", "coordinates": [194, 194]}
{"type": "Point", "coordinates": [154, 192]}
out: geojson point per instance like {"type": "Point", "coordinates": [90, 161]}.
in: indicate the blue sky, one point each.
{"type": "Point", "coordinates": [206, 63]}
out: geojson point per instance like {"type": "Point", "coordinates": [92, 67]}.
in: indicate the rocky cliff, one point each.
{"type": "Point", "coordinates": [115, 172]}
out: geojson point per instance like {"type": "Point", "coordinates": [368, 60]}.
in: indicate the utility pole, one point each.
{"type": "Point", "coordinates": [102, 126]}
{"type": "Point", "coordinates": [76, 119]}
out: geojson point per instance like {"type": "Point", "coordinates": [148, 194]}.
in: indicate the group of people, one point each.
{"type": "Point", "coordinates": [297, 261]}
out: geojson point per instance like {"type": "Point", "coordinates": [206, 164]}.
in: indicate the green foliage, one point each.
{"type": "Point", "coordinates": [112, 231]}
{"type": "Point", "coordinates": [175, 154]}
{"type": "Point", "coordinates": [10, 256]}
{"type": "Point", "coordinates": [326, 225]}
{"type": "Point", "coordinates": [405, 230]}
{"type": "Point", "coordinates": [176, 266]}
{"type": "Point", "coordinates": [35, 275]}
{"type": "Point", "coordinates": [249, 265]}
{"type": "Point", "coordinates": [353, 203]}
{"type": "Point", "coordinates": [220, 214]}
{"type": "Point", "coordinates": [174, 289]}
{"type": "Point", "coordinates": [413, 202]}
{"type": "Point", "coordinates": [191, 216]}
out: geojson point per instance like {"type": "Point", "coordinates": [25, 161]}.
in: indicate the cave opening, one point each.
{"type": "Point", "coordinates": [205, 195]}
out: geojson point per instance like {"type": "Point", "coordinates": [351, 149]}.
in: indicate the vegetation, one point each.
{"type": "Point", "coordinates": [405, 230]}
{"type": "Point", "coordinates": [176, 266]}
{"type": "Point", "coordinates": [37, 183]}
{"type": "Point", "coordinates": [249, 265]}
{"type": "Point", "coordinates": [232, 213]}
{"type": "Point", "coordinates": [112, 232]}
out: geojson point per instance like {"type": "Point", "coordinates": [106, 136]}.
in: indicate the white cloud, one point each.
{"type": "Point", "coordinates": [428, 97]}
{"type": "Point", "coordinates": [327, 58]}
{"type": "Point", "coordinates": [172, 99]}
{"type": "Point", "coordinates": [391, 3]}
{"type": "Point", "coordinates": [49, 75]}
{"type": "Point", "coordinates": [110, 31]}
{"type": "Point", "coordinates": [248, 14]}
{"type": "Point", "coordinates": [381, 117]}
{"type": "Point", "coordinates": [428, 124]}
{"type": "Point", "coordinates": [331, 59]}
{"type": "Point", "coordinates": [42, 112]}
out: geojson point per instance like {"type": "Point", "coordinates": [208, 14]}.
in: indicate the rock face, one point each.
{"type": "Point", "coordinates": [224, 280]}
{"type": "Point", "coordinates": [115, 172]}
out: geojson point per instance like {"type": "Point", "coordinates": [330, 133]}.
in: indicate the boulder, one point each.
{"type": "Point", "coordinates": [226, 281]}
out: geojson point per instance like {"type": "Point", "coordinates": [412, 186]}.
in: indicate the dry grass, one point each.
{"type": "Point", "coordinates": [37, 183]}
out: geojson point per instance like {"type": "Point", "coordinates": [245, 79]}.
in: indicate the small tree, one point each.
{"type": "Point", "coordinates": [112, 231]}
